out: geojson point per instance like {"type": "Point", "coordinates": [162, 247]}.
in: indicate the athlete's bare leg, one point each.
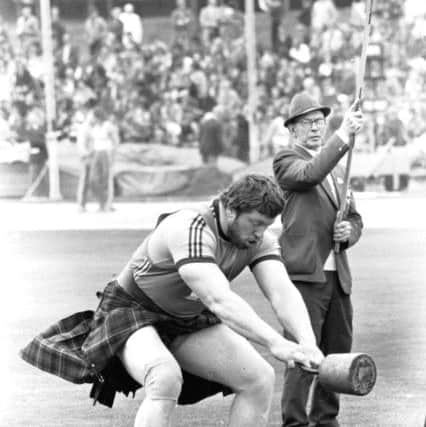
{"type": "Point", "coordinates": [220, 354]}
{"type": "Point", "coordinates": [151, 364]}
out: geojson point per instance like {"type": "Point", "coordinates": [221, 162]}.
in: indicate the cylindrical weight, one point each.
{"type": "Point", "coordinates": [349, 373]}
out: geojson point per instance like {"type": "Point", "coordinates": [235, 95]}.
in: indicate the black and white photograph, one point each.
{"type": "Point", "coordinates": [213, 213]}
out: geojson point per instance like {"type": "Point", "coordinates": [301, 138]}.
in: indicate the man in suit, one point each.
{"type": "Point", "coordinates": [311, 179]}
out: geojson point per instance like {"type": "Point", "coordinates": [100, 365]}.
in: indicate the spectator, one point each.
{"type": "Point", "coordinates": [97, 142]}
{"type": "Point", "coordinates": [36, 135]}
{"type": "Point", "coordinates": [305, 18]}
{"type": "Point", "coordinates": [18, 125]}
{"type": "Point", "coordinates": [211, 140]}
{"type": "Point", "coordinates": [393, 127]}
{"type": "Point", "coordinates": [6, 84]}
{"type": "Point", "coordinates": [276, 135]}
{"type": "Point", "coordinates": [195, 71]}
{"type": "Point", "coordinates": [357, 14]}
{"type": "Point", "coordinates": [231, 25]}
{"type": "Point", "coordinates": [68, 55]}
{"type": "Point", "coordinates": [58, 28]}
{"type": "Point", "coordinates": [329, 93]}
{"type": "Point", "coordinates": [84, 95]}
{"type": "Point", "coordinates": [6, 48]}
{"type": "Point", "coordinates": [210, 16]}
{"type": "Point", "coordinates": [96, 30]}
{"type": "Point", "coordinates": [116, 27]}
{"type": "Point", "coordinates": [137, 123]}
{"type": "Point", "coordinates": [96, 77]}
{"type": "Point", "coordinates": [35, 63]}
{"type": "Point", "coordinates": [25, 86]}
{"type": "Point", "coordinates": [324, 14]}
{"type": "Point", "coordinates": [228, 98]}
{"type": "Point", "coordinates": [6, 134]}
{"type": "Point", "coordinates": [275, 10]}
{"type": "Point", "coordinates": [191, 116]}
{"type": "Point", "coordinates": [171, 117]}
{"type": "Point", "coordinates": [300, 51]}
{"type": "Point", "coordinates": [242, 139]}
{"type": "Point", "coordinates": [27, 29]}
{"type": "Point", "coordinates": [310, 87]}
{"type": "Point", "coordinates": [132, 26]}
{"type": "Point", "coordinates": [183, 20]}
{"type": "Point", "coordinates": [331, 42]}
{"type": "Point", "coordinates": [198, 82]}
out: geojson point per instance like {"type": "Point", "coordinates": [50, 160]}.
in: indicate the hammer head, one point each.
{"type": "Point", "coordinates": [349, 373]}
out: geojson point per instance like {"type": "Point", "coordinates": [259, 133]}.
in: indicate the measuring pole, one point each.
{"type": "Point", "coordinates": [49, 93]}
{"type": "Point", "coordinates": [250, 42]}
{"type": "Point", "coordinates": [358, 97]}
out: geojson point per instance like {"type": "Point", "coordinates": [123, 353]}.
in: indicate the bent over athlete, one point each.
{"type": "Point", "coordinates": [172, 322]}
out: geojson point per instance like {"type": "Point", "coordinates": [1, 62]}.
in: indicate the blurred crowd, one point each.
{"type": "Point", "coordinates": [158, 92]}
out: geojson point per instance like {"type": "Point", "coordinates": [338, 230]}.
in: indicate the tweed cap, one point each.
{"type": "Point", "coordinates": [303, 103]}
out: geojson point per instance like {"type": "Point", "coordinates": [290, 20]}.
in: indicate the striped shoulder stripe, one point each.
{"type": "Point", "coordinates": [265, 258]}
{"type": "Point", "coordinates": [195, 247]}
{"type": "Point", "coordinates": [206, 260]}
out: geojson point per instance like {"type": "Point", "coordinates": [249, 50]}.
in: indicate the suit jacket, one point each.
{"type": "Point", "coordinates": [310, 212]}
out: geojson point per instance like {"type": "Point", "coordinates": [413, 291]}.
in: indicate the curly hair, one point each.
{"type": "Point", "coordinates": [254, 192]}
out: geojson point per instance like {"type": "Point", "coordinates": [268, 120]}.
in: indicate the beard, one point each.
{"type": "Point", "coordinates": [238, 240]}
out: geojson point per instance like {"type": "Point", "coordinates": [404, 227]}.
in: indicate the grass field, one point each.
{"type": "Point", "coordinates": [52, 274]}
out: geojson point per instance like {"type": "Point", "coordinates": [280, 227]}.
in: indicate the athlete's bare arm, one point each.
{"type": "Point", "coordinates": [211, 286]}
{"type": "Point", "coordinates": [286, 301]}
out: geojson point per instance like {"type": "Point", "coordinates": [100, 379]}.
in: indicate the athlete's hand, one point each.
{"type": "Point", "coordinates": [313, 354]}
{"type": "Point", "coordinates": [292, 353]}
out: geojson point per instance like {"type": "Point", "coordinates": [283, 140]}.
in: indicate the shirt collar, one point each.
{"type": "Point", "coordinates": [216, 214]}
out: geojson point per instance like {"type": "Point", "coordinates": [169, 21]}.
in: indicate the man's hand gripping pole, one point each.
{"type": "Point", "coordinates": [359, 88]}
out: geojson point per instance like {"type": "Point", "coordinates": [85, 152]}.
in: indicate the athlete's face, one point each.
{"type": "Point", "coordinates": [246, 229]}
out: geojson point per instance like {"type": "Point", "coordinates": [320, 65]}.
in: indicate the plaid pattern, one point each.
{"type": "Point", "coordinates": [58, 349]}
{"type": "Point", "coordinates": [82, 347]}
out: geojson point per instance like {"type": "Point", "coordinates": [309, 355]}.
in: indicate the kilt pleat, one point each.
{"type": "Point", "coordinates": [57, 350]}
{"type": "Point", "coordinates": [82, 348]}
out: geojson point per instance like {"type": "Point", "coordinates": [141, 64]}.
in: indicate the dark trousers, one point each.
{"type": "Point", "coordinates": [330, 311]}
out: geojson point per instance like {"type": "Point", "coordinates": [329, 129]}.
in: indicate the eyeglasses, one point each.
{"type": "Point", "coordinates": [319, 123]}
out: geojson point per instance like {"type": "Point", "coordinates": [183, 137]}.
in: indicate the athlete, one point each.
{"type": "Point", "coordinates": [171, 322]}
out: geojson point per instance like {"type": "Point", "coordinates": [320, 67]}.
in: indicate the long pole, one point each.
{"type": "Point", "coordinates": [49, 91]}
{"type": "Point", "coordinates": [359, 89]}
{"type": "Point", "coordinates": [250, 41]}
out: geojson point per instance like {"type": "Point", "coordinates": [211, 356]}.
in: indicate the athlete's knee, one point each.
{"type": "Point", "coordinates": [262, 381]}
{"type": "Point", "coordinates": [163, 380]}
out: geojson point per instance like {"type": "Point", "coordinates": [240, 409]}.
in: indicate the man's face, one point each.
{"type": "Point", "coordinates": [26, 11]}
{"type": "Point", "coordinates": [246, 229]}
{"type": "Point", "coordinates": [309, 130]}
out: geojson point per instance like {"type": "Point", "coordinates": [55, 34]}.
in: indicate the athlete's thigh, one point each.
{"type": "Point", "coordinates": [143, 350]}
{"type": "Point", "coordinates": [219, 354]}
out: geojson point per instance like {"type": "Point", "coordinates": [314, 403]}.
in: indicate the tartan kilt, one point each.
{"type": "Point", "coordinates": [82, 348]}
{"type": "Point", "coordinates": [57, 350]}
